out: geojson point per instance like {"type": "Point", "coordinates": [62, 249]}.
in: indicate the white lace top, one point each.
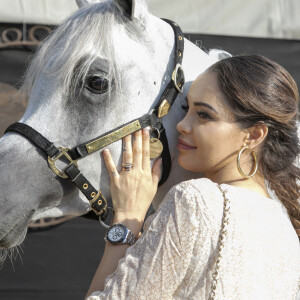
{"type": "Point", "coordinates": [175, 256]}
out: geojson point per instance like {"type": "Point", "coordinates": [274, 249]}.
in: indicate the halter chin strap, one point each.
{"type": "Point", "coordinates": [70, 156]}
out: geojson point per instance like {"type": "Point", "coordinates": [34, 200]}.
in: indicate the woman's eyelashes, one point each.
{"type": "Point", "coordinates": [204, 115]}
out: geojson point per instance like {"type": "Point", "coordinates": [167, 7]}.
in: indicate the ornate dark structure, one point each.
{"type": "Point", "coordinates": [16, 35]}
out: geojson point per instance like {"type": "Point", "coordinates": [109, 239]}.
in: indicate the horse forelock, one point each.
{"type": "Point", "coordinates": [76, 43]}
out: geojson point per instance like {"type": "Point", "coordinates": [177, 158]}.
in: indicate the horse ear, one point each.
{"type": "Point", "coordinates": [126, 7]}
{"type": "Point", "coordinates": [81, 3]}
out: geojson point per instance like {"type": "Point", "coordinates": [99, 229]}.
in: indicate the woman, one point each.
{"type": "Point", "coordinates": [223, 236]}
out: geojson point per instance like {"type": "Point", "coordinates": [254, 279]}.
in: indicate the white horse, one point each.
{"type": "Point", "coordinates": [104, 66]}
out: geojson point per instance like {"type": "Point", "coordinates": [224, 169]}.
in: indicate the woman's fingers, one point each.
{"type": "Point", "coordinates": [127, 150]}
{"type": "Point", "coordinates": [156, 171]}
{"type": "Point", "coordinates": [146, 150]}
{"type": "Point", "coordinates": [111, 168]}
{"type": "Point", "coordinates": [137, 149]}
{"type": "Point", "coordinates": [132, 192]}
{"type": "Point", "coordinates": [138, 155]}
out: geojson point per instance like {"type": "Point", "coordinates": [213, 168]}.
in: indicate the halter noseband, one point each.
{"type": "Point", "coordinates": [153, 119]}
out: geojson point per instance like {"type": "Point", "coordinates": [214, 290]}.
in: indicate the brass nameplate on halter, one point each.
{"type": "Point", "coordinates": [163, 108]}
{"type": "Point", "coordinates": [112, 137]}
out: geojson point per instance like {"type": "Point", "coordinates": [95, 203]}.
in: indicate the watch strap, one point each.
{"type": "Point", "coordinates": [130, 239]}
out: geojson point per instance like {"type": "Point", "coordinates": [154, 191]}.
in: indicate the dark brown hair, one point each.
{"type": "Point", "coordinates": [260, 90]}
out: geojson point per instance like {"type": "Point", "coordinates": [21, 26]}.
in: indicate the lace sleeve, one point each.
{"type": "Point", "coordinates": [155, 266]}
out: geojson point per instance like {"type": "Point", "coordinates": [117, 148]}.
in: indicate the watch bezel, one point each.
{"type": "Point", "coordinates": [121, 239]}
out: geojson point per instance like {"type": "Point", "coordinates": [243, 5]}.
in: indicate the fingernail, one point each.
{"type": "Point", "coordinates": [105, 151]}
{"type": "Point", "coordinates": [145, 131]}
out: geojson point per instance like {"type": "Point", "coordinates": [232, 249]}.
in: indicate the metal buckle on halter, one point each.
{"type": "Point", "coordinates": [99, 203]}
{"type": "Point", "coordinates": [52, 160]}
{"type": "Point", "coordinates": [178, 86]}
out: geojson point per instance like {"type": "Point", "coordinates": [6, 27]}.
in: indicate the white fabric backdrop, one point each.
{"type": "Point", "coordinates": [256, 18]}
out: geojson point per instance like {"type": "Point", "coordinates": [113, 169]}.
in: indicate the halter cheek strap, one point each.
{"type": "Point", "coordinates": [97, 201]}
{"type": "Point", "coordinates": [70, 156]}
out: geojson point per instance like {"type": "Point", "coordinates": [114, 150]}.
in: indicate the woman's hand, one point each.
{"type": "Point", "coordinates": [132, 192]}
{"type": "Point", "coordinates": [133, 189]}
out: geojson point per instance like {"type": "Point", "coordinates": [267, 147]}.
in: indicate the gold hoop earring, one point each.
{"type": "Point", "coordinates": [239, 166]}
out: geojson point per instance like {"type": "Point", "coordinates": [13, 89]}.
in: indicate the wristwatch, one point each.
{"type": "Point", "coordinates": [119, 234]}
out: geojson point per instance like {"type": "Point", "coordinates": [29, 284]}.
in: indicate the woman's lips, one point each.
{"type": "Point", "coordinates": [184, 145]}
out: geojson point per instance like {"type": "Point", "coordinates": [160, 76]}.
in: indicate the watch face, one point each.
{"type": "Point", "coordinates": [116, 233]}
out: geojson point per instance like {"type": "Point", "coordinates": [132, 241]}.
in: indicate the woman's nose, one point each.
{"type": "Point", "coordinates": [183, 126]}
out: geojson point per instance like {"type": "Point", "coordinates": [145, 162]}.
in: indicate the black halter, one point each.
{"type": "Point", "coordinates": [153, 119]}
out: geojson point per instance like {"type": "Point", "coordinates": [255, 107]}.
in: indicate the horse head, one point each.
{"type": "Point", "coordinates": [102, 67]}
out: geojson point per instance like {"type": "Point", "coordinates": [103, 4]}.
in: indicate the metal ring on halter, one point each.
{"type": "Point", "coordinates": [127, 166]}
{"type": "Point", "coordinates": [109, 208]}
{"type": "Point", "coordinates": [157, 130]}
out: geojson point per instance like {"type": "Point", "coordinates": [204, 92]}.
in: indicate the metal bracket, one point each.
{"type": "Point", "coordinates": [52, 160]}
{"type": "Point", "coordinates": [163, 108]}
{"type": "Point", "coordinates": [100, 201]}
{"type": "Point", "coordinates": [102, 221]}
{"type": "Point", "coordinates": [178, 86]}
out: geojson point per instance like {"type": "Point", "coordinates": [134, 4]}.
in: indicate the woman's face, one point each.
{"type": "Point", "coordinates": [209, 138]}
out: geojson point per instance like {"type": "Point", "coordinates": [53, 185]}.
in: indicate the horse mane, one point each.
{"type": "Point", "coordinates": [68, 52]}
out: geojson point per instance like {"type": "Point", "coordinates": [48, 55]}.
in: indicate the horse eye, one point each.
{"type": "Point", "coordinates": [97, 84]}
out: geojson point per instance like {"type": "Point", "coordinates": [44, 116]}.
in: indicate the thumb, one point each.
{"type": "Point", "coordinates": [156, 171]}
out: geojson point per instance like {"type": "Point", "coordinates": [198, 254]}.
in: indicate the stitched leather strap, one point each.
{"type": "Point", "coordinates": [34, 137]}
{"type": "Point", "coordinates": [97, 201]}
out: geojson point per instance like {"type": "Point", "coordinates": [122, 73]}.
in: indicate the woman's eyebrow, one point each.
{"type": "Point", "coordinates": [205, 104]}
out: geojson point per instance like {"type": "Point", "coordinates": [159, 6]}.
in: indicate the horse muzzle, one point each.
{"type": "Point", "coordinates": [15, 234]}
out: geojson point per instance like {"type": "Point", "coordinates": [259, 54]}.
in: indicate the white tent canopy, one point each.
{"type": "Point", "coordinates": [255, 18]}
